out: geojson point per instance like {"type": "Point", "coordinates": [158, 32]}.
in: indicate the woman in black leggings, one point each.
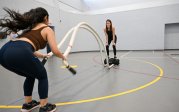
{"type": "Point", "coordinates": [110, 37]}
{"type": "Point", "coordinates": [20, 55]}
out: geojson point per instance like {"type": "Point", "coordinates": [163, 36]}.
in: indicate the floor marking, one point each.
{"type": "Point", "coordinates": [170, 57]}
{"type": "Point", "coordinates": [122, 56]}
{"type": "Point", "coordinates": [104, 97]}
{"type": "Point", "coordinates": [145, 57]}
{"type": "Point", "coordinates": [73, 66]}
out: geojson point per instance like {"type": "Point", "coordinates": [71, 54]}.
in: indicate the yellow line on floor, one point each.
{"type": "Point", "coordinates": [119, 94]}
{"type": "Point", "coordinates": [10, 106]}
{"type": "Point", "coordinates": [105, 97]}
{"type": "Point", "coordinates": [73, 66]}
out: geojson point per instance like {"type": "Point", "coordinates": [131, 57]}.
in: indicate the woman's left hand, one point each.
{"type": "Point", "coordinates": [114, 43]}
{"type": "Point", "coordinates": [46, 55]}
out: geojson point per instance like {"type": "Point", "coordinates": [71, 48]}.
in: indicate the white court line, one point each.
{"type": "Point", "coordinates": [125, 54]}
{"type": "Point", "coordinates": [153, 52]}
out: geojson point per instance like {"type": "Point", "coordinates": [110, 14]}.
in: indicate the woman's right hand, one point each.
{"type": "Point", "coordinates": [64, 58]}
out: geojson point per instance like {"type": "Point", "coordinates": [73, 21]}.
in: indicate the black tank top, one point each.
{"type": "Point", "coordinates": [110, 34]}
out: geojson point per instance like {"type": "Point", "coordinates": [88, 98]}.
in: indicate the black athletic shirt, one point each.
{"type": "Point", "coordinates": [110, 35]}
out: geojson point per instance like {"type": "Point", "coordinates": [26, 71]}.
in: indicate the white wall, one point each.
{"type": "Point", "coordinates": [67, 5]}
{"type": "Point", "coordinates": [26, 5]}
{"type": "Point", "coordinates": [78, 4]}
{"type": "Point", "coordinates": [136, 30]}
{"type": "Point", "coordinates": [172, 36]}
{"type": "Point", "coordinates": [141, 29]}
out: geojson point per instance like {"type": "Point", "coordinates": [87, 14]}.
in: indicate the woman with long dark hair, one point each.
{"type": "Point", "coordinates": [20, 55]}
{"type": "Point", "coordinates": [109, 31]}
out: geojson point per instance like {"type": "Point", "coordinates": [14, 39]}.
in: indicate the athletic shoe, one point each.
{"type": "Point", "coordinates": [27, 107]}
{"type": "Point", "coordinates": [48, 108]}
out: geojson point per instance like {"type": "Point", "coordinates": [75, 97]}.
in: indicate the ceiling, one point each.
{"type": "Point", "coordinates": [105, 6]}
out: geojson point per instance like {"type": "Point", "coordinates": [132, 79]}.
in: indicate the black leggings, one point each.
{"type": "Point", "coordinates": [114, 46]}
{"type": "Point", "coordinates": [18, 57]}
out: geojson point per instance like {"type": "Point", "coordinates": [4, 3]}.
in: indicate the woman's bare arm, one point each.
{"type": "Point", "coordinates": [40, 55]}
{"type": "Point", "coordinates": [114, 33]}
{"type": "Point", "coordinates": [52, 43]}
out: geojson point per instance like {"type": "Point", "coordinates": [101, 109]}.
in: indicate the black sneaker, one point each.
{"type": "Point", "coordinates": [48, 108]}
{"type": "Point", "coordinates": [27, 107]}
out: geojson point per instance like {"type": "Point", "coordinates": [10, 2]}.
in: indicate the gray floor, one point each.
{"type": "Point", "coordinates": [95, 81]}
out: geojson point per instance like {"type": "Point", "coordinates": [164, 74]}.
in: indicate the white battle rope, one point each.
{"type": "Point", "coordinates": [74, 31]}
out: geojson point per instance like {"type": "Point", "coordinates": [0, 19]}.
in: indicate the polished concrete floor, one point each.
{"type": "Point", "coordinates": [145, 81]}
